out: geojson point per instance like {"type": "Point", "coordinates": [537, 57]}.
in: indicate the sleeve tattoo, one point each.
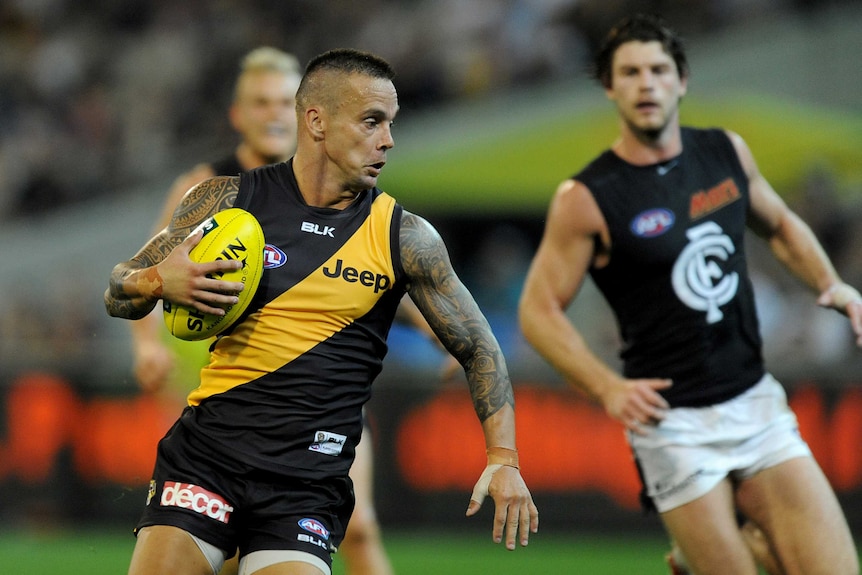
{"type": "Point", "coordinates": [200, 202]}
{"type": "Point", "coordinates": [454, 315]}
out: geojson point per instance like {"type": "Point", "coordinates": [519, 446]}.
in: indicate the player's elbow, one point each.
{"type": "Point", "coordinates": [122, 308]}
{"type": "Point", "coordinates": [111, 305]}
{"type": "Point", "coordinates": [530, 316]}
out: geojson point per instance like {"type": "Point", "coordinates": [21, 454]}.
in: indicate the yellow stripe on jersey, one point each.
{"type": "Point", "coordinates": [343, 289]}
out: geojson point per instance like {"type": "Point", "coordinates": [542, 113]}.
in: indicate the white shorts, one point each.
{"type": "Point", "coordinates": [693, 449]}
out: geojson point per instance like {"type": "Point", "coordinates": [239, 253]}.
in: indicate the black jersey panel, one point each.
{"type": "Point", "coordinates": [677, 279]}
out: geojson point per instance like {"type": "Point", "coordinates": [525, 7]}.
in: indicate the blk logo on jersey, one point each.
{"type": "Point", "coordinates": [698, 278]}
{"type": "Point", "coordinates": [313, 228]}
{"type": "Point", "coordinates": [652, 223]}
{"type": "Point", "coordinates": [273, 257]}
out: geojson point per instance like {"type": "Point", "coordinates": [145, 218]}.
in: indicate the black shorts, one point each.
{"type": "Point", "coordinates": [238, 507]}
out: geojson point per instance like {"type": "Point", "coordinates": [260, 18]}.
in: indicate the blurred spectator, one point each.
{"type": "Point", "coordinates": [96, 94]}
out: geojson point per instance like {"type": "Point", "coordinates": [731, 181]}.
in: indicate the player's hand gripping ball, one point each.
{"type": "Point", "coordinates": [232, 234]}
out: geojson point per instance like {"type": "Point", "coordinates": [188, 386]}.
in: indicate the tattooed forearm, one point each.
{"type": "Point", "coordinates": [127, 308]}
{"type": "Point", "coordinates": [454, 316]}
{"type": "Point", "coordinates": [120, 304]}
{"type": "Point", "coordinates": [135, 286]}
{"type": "Point", "coordinates": [488, 380]}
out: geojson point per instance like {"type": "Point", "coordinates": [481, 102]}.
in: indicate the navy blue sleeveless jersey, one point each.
{"type": "Point", "coordinates": [677, 279]}
{"type": "Point", "coordinates": [284, 388]}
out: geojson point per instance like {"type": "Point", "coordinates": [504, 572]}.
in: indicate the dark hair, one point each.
{"type": "Point", "coordinates": [638, 28]}
{"type": "Point", "coordinates": [344, 61]}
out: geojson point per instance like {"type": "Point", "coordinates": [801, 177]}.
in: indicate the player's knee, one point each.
{"type": "Point", "coordinates": [363, 527]}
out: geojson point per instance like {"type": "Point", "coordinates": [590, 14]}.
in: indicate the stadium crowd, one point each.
{"type": "Point", "coordinates": [99, 94]}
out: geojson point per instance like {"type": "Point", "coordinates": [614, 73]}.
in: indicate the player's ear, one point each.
{"type": "Point", "coordinates": [315, 122]}
{"type": "Point", "coordinates": [235, 117]}
{"type": "Point", "coordinates": [683, 85]}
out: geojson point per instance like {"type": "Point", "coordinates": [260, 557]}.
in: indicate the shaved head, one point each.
{"type": "Point", "coordinates": [325, 75]}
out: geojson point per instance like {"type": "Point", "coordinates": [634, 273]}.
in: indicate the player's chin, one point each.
{"type": "Point", "coordinates": [367, 180]}
{"type": "Point", "coordinates": [274, 145]}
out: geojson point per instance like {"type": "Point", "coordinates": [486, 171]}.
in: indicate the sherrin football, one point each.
{"type": "Point", "coordinates": [232, 234]}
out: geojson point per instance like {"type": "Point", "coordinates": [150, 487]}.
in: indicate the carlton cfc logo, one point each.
{"type": "Point", "coordinates": [699, 278]}
{"type": "Point", "coordinates": [273, 257]}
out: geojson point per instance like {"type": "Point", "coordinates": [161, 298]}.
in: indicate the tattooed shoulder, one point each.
{"type": "Point", "coordinates": [202, 201]}
{"type": "Point", "coordinates": [422, 248]}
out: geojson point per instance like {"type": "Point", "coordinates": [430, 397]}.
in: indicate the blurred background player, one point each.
{"type": "Point", "coordinates": [263, 113]}
{"type": "Point", "coordinates": [658, 221]}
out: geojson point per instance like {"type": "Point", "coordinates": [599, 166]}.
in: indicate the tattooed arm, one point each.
{"type": "Point", "coordinates": [455, 318]}
{"type": "Point", "coordinates": [162, 268]}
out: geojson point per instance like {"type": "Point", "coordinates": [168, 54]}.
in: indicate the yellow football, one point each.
{"type": "Point", "coordinates": [232, 234]}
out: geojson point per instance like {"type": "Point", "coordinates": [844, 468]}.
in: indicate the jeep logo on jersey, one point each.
{"type": "Point", "coordinates": [698, 279]}
{"type": "Point", "coordinates": [198, 499]}
{"type": "Point", "coordinates": [316, 229]}
{"type": "Point", "coordinates": [652, 223]}
{"type": "Point", "coordinates": [367, 278]}
{"type": "Point", "coordinates": [273, 257]}
{"type": "Point", "coordinates": [314, 526]}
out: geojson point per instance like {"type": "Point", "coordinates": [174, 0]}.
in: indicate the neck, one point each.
{"type": "Point", "coordinates": [642, 148]}
{"type": "Point", "coordinates": [318, 188]}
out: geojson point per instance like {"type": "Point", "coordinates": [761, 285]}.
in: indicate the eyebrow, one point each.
{"type": "Point", "coordinates": [378, 113]}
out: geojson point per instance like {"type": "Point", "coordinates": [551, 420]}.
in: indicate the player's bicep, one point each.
{"type": "Point", "coordinates": [433, 285]}
{"type": "Point", "coordinates": [573, 229]}
{"type": "Point", "coordinates": [766, 208]}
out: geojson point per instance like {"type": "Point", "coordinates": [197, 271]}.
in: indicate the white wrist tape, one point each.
{"type": "Point", "coordinates": [480, 490]}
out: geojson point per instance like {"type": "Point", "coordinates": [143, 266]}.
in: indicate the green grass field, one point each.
{"type": "Point", "coordinates": [103, 553]}
{"type": "Point", "coordinates": [413, 553]}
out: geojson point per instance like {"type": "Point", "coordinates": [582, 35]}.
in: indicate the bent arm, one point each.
{"type": "Point", "coordinates": [453, 315]}
{"type": "Point", "coordinates": [455, 318]}
{"type": "Point", "coordinates": [791, 239]}
{"type": "Point", "coordinates": [575, 237]}
{"type": "Point", "coordinates": [162, 268]}
{"type": "Point", "coordinates": [153, 360]}
{"type": "Point", "coordinates": [573, 226]}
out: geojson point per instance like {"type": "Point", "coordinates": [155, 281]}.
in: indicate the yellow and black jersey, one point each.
{"type": "Point", "coordinates": [285, 387]}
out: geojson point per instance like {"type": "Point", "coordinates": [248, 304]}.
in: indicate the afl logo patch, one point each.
{"type": "Point", "coordinates": [652, 223]}
{"type": "Point", "coordinates": [314, 526]}
{"type": "Point", "coordinates": [273, 257]}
